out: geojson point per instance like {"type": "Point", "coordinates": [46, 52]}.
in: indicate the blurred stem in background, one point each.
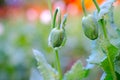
{"type": "Point", "coordinates": [83, 7]}
{"type": "Point", "coordinates": [50, 7]}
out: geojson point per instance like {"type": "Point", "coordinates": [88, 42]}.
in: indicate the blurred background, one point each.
{"type": "Point", "coordinates": [25, 25]}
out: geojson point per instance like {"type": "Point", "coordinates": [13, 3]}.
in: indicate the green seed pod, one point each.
{"type": "Point", "coordinates": [90, 27]}
{"type": "Point", "coordinates": [56, 37]}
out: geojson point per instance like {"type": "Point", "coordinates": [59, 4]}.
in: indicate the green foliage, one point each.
{"type": "Point", "coordinates": [77, 72]}
{"type": "Point", "coordinates": [105, 9]}
{"type": "Point", "coordinates": [106, 51]}
{"type": "Point", "coordinates": [117, 64]}
{"type": "Point", "coordinates": [96, 57]}
{"type": "Point", "coordinates": [104, 54]}
{"type": "Point", "coordinates": [45, 69]}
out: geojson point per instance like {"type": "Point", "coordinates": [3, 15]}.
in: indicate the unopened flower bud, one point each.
{"type": "Point", "coordinates": [56, 37]}
{"type": "Point", "coordinates": [90, 27]}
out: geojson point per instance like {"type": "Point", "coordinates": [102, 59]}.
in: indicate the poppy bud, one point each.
{"type": "Point", "coordinates": [90, 27]}
{"type": "Point", "coordinates": [56, 37]}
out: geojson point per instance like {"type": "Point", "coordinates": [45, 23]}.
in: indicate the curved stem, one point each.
{"type": "Point", "coordinates": [63, 21]}
{"type": "Point", "coordinates": [54, 18]}
{"type": "Point", "coordinates": [59, 19]}
{"type": "Point", "coordinates": [58, 64]}
{"type": "Point", "coordinates": [83, 8]}
{"type": "Point", "coordinates": [97, 6]}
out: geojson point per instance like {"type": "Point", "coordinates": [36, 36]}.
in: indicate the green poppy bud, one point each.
{"type": "Point", "coordinates": [56, 37]}
{"type": "Point", "coordinates": [90, 27]}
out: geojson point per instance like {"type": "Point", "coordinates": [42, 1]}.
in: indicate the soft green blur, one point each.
{"type": "Point", "coordinates": [18, 37]}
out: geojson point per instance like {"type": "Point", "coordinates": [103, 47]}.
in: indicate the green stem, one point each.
{"type": "Point", "coordinates": [102, 22]}
{"type": "Point", "coordinates": [108, 55]}
{"type": "Point", "coordinates": [97, 6]}
{"type": "Point", "coordinates": [63, 21]}
{"type": "Point", "coordinates": [59, 19]}
{"type": "Point", "coordinates": [58, 64]}
{"type": "Point", "coordinates": [54, 18]}
{"type": "Point", "coordinates": [83, 8]}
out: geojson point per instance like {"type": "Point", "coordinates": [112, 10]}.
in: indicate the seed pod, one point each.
{"type": "Point", "coordinates": [90, 27]}
{"type": "Point", "coordinates": [56, 37]}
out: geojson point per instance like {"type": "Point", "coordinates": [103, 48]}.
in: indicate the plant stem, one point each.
{"type": "Point", "coordinates": [54, 18]}
{"type": "Point", "coordinates": [102, 22]}
{"type": "Point", "coordinates": [108, 55]}
{"type": "Point", "coordinates": [111, 67]}
{"type": "Point", "coordinates": [83, 7]}
{"type": "Point", "coordinates": [96, 4]}
{"type": "Point", "coordinates": [63, 21]}
{"type": "Point", "coordinates": [58, 64]}
{"type": "Point", "coordinates": [50, 7]}
{"type": "Point", "coordinates": [59, 19]}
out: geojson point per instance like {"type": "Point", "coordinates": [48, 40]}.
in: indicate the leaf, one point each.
{"type": "Point", "coordinates": [104, 8]}
{"type": "Point", "coordinates": [118, 31]}
{"type": "Point", "coordinates": [117, 64]}
{"type": "Point", "coordinates": [106, 77]}
{"type": "Point", "coordinates": [115, 37]}
{"type": "Point", "coordinates": [106, 68]}
{"type": "Point", "coordinates": [111, 18]}
{"type": "Point", "coordinates": [77, 72]}
{"type": "Point", "coordinates": [96, 57]}
{"type": "Point", "coordinates": [118, 76]}
{"type": "Point", "coordinates": [108, 63]}
{"type": "Point", "coordinates": [45, 69]}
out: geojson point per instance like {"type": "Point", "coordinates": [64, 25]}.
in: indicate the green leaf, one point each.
{"type": "Point", "coordinates": [117, 64]}
{"type": "Point", "coordinates": [108, 63]}
{"type": "Point", "coordinates": [118, 31]}
{"type": "Point", "coordinates": [77, 72]}
{"type": "Point", "coordinates": [111, 18]}
{"type": "Point", "coordinates": [104, 9]}
{"type": "Point", "coordinates": [96, 57]}
{"type": "Point", "coordinates": [118, 76]}
{"type": "Point", "coordinates": [45, 69]}
{"type": "Point", "coordinates": [108, 74]}
{"type": "Point", "coordinates": [115, 37]}
{"type": "Point", "coordinates": [106, 77]}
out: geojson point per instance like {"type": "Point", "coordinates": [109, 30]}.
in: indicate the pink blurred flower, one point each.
{"type": "Point", "coordinates": [31, 14]}
{"type": "Point", "coordinates": [45, 17]}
